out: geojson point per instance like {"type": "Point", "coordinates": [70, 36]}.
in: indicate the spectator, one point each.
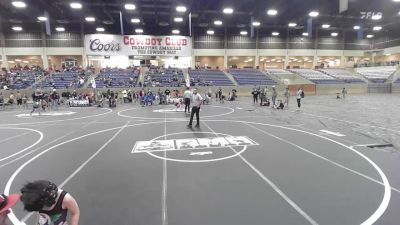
{"type": "Point", "coordinates": [273, 96]}
{"type": "Point", "coordinates": [344, 93]}
{"type": "Point", "coordinates": [287, 96]}
{"type": "Point", "coordinates": [187, 96]}
{"type": "Point", "coordinates": [299, 95]}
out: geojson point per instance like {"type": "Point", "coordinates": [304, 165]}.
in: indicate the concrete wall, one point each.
{"type": "Point", "coordinates": [332, 89]}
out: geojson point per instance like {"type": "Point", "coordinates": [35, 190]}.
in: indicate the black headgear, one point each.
{"type": "Point", "coordinates": [38, 194]}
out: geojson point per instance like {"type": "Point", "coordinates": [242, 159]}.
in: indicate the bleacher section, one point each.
{"type": "Point", "coordinates": [64, 80]}
{"type": "Point", "coordinates": [251, 77]}
{"type": "Point", "coordinates": [116, 78]}
{"type": "Point", "coordinates": [316, 76]}
{"type": "Point", "coordinates": [278, 72]}
{"type": "Point", "coordinates": [377, 74]}
{"type": "Point", "coordinates": [164, 78]}
{"type": "Point", "coordinates": [397, 81]}
{"type": "Point", "coordinates": [342, 74]}
{"type": "Point", "coordinates": [209, 78]}
{"type": "Point", "coordinates": [22, 79]}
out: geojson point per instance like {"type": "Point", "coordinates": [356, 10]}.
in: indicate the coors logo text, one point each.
{"type": "Point", "coordinates": [97, 45]}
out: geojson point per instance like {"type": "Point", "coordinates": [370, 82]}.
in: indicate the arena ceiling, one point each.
{"type": "Point", "coordinates": [158, 16]}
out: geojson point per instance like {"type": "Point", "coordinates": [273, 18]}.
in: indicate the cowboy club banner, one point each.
{"type": "Point", "coordinates": [106, 44]}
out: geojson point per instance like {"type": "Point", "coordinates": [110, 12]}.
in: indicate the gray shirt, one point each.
{"type": "Point", "coordinates": [196, 100]}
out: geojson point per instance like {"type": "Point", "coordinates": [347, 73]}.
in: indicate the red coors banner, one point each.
{"type": "Point", "coordinates": [105, 44]}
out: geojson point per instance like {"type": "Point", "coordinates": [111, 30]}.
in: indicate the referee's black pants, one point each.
{"type": "Point", "coordinates": [197, 111]}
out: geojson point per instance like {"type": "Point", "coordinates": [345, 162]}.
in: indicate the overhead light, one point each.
{"type": "Point", "coordinates": [11, 62]}
{"type": "Point", "coordinates": [175, 31]}
{"type": "Point", "coordinates": [396, 0]}
{"type": "Point", "coordinates": [210, 32]}
{"type": "Point", "coordinates": [90, 19]}
{"type": "Point", "coordinates": [275, 33]}
{"type": "Point", "coordinates": [181, 9]}
{"type": "Point", "coordinates": [370, 36]}
{"type": "Point", "coordinates": [135, 20]}
{"type": "Point", "coordinates": [100, 29]}
{"type": "Point", "coordinates": [376, 17]}
{"type": "Point", "coordinates": [243, 32]}
{"type": "Point", "coordinates": [399, 12]}
{"type": "Point", "coordinates": [178, 19]}
{"type": "Point", "coordinates": [218, 22]}
{"type": "Point", "coordinates": [228, 11]}
{"type": "Point", "coordinates": [17, 60]}
{"type": "Point", "coordinates": [272, 12]}
{"type": "Point", "coordinates": [17, 28]}
{"type": "Point", "coordinates": [42, 18]}
{"type": "Point", "coordinates": [326, 26]}
{"type": "Point", "coordinates": [313, 14]}
{"type": "Point", "coordinates": [334, 34]}
{"type": "Point", "coordinates": [292, 24]}
{"type": "Point", "coordinates": [130, 6]}
{"type": "Point", "coordinates": [305, 34]}
{"type": "Point", "coordinates": [19, 4]}
{"type": "Point", "coordinates": [60, 29]}
{"type": "Point", "coordinates": [387, 54]}
{"type": "Point", "coordinates": [377, 28]}
{"type": "Point", "coordinates": [256, 23]}
{"type": "Point", "coordinates": [26, 62]}
{"type": "Point", "coordinates": [139, 31]}
{"type": "Point", "coordinates": [356, 27]}
{"type": "Point", "coordinates": [76, 5]}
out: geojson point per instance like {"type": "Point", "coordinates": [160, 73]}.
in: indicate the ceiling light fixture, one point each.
{"type": "Point", "coordinates": [175, 31]}
{"type": "Point", "coordinates": [377, 28]}
{"type": "Point", "coordinates": [313, 14]}
{"type": "Point", "coordinates": [243, 32]}
{"type": "Point", "coordinates": [275, 33]}
{"type": "Point", "coordinates": [370, 36]}
{"type": "Point", "coordinates": [130, 6]}
{"type": "Point", "coordinates": [272, 12]}
{"type": "Point", "coordinates": [75, 5]}
{"type": "Point", "coordinates": [135, 20]}
{"type": "Point", "coordinates": [90, 19]}
{"type": "Point", "coordinates": [19, 4]}
{"type": "Point", "coordinates": [218, 22]}
{"type": "Point", "coordinates": [60, 29]}
{"type": "Point", "coordinates": [210, 32]}
{"type": "Point", "coordinates": [42, 18]}
{"type": "Point", "coordinates": [178, 19]}
{"type": "Point", "coordinates": [325, 26]}
{"type": "Point", "coordinates": [356, 27]}
{"type": "Point", "coordinates": [139, 31]}
{"type": "Point", "coordinates": [17, 28]}
{"type": "Point", "coordinates": [334, 34]}
{"type": "Point", "coordinates": [256, 23]}
{"type": "Point", "coordinates": [100, 29]}
{"type": "Point", "coordinates": [228, 11]}
{"type": "Point", "coordinates": [305, 34]}
{"type": "Point", "coordinates": [181, 9]}
{"type": "Point", "coordinates": [292, 24]}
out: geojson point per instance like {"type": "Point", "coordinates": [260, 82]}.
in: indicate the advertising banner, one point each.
{"type": "Point", "coordinates": [105, 44]}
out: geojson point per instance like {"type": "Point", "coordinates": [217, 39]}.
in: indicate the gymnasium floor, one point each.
{"type": "Point", "coordinates": [245, 165]}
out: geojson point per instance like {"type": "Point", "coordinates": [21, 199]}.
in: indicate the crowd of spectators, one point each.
{"type": "Point", "coordinates": [164, 77]}
{"type": "Point", "coordinates": [19, 77]}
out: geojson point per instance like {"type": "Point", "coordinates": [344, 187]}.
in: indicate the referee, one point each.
{"type": "Point", "coordinates": [196, 102]}
{"type": "Point", "coordinates": [186, 96]}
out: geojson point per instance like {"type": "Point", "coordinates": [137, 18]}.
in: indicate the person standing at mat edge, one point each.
{"type": "Point", "coordinates": [299, 96]}
{"type": "Point", "coordinates": [186, 96]}
{"type": "Point", "coordinates": [6, 202]}
{"type": "Point", "coordinates": [51, 203]}
{"type": "Point", "coordinates": [196, 102]}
